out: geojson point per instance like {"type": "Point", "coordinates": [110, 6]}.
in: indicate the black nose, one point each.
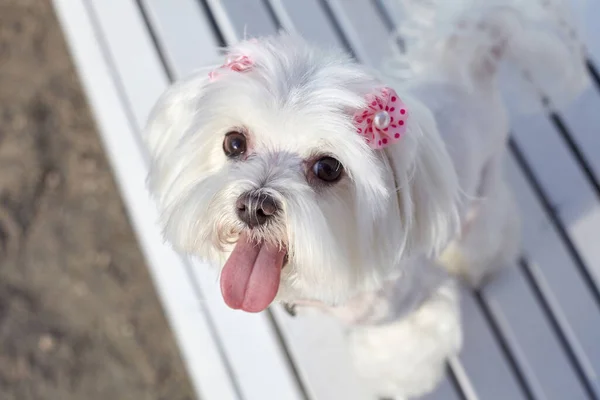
{"type": "Point", "coordinates": [256, 208]}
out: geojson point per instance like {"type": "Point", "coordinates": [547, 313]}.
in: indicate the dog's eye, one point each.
{"type": "Point", "coordinates": [234, 144]}
{"type": "Point", "coordinates": [328, 169]}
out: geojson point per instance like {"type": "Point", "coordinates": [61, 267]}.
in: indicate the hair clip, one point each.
{"type": "Point", "coordinates": [383, 122]}
{"type": "Point", "coordinates": [240, 63]}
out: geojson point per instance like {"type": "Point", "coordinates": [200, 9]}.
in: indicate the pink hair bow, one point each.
{"type": "Point", "coordinates": [383, 122]}
{"type": "Point", "coordinates": [238, 63]}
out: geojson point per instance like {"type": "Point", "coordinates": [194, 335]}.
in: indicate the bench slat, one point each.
{"type": "Point", "coordinates": [184, 34]}
{"type": "Point", "coordinates": [565, 290]}
{"type": "Point", "coordinates": [360, 23]}
{"type": "Point", "coordinates": [490, 376]}
{"type": "Point", "coordinates": [239, 19]}
{"type": "Point", "coordinates": [319, 348]}
{"type": "Point", "coordinates": [582, 120]}
{"type": "Point", "coordinates": [308, 19]}
{"type": "Point", "coordinates": [587, 12]}
{"type": "Point", "coordinates": [561, 178]}
{"type": "Point", "coordinates": [531, 338]}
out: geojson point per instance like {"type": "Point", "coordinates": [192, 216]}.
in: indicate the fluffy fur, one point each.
{"type": "Point", "coordinates": [368, 248]}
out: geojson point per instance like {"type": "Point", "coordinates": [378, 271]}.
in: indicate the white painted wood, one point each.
{"type": "Point", "coordinates": [531, 338]}
{"type": "Point", "coordinates": [587, 12]}
{"type": "Point", "coordinates": [260, 368]}
{"type": "Point", "coordinates": [488, 372]}
{"type": "Point", "coordinates": [121, 22]}
{"type": "Point", "coordinates": [557, 277]}
{"type": "Point", "coordinates": [360, 22]}
{"type": "Point", "coordinates": [309, 20]}
{"type": "Point", "coordinates": [318, 345]}
{"type": "Point", "coordinates": [184, 309]}
{"type": "Point", "coordinates": [239, 19]}
{"type": "Point", "coordinates": [185, 36]}
{"type": "Point", "coordinates": [576, 204]}
{"type": "Point", "coordinates": [445, 391]}
{"type": "Point", "coordinates": [583, 123]}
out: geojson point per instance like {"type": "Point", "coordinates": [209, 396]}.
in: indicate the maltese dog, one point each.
{"type": "Point", "coordinates": [310, 180]}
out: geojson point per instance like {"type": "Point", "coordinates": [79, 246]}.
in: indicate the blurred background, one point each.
{"type": "Point", "coordinates": [79, 318]}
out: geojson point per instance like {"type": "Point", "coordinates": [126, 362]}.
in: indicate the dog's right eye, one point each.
{"type": "Point", "coordinates": [328, 169]}
{"type": "Point", "coordinates": [234, 144]}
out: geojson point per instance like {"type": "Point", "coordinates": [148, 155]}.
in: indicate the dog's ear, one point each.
{"type": "Point", "coordinates": [426, 182]}
{"type": "Point", "coordinates": [173, 113]}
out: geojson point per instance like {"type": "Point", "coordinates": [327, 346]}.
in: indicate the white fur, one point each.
{"type": "Point", "coordinates": [369, 248]}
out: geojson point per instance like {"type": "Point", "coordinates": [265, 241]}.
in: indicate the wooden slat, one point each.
{"type": "Point", "coordinates": [359, 20]}
{"type": "Point", "coordinates": [556, 170]}
{"type": "Point", "coordinates": [319, 347]}
{"type": "Point", "coordinates": [258, 363]}
{"type": "Point", "coordinates": [182, 29]}
{"type": "Point", "coordinates": [184, 309]}
{"type": "Point", "coordinates": [567, 292]}
{"type": "Point", "coordinates": [239, 19]}
{"type": "Point", "coordinates": [587, 11]}
{"type": "Point", "coordinates": [489, 374]}
{"type": "Point", "coordinates": [582, 119]}
{"type": "Point", "coordinates": [445, 391]}
{"type": "Point", "coordinates": [531, 338]}
{"type": "Point", "coordinates": [308, 19]}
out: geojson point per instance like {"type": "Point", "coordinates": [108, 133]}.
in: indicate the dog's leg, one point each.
{"type": "Point", "coordinates": [406, 359]}
{"type": "Point", "coordinates": [491, 236]}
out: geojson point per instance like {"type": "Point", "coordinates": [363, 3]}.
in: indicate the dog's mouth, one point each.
{"type": "Point", "coordinates": [251, 276]}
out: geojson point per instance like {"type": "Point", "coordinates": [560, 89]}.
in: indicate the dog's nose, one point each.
{"type": "Point", "coordinates": [256, 208]}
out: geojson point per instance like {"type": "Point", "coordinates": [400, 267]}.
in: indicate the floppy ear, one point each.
{"type": "Point", "coordinates": [167, 133]}
{"type": "Point", "coordinates": [426, 182]}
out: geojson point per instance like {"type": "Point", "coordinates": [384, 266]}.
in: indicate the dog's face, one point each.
{"type": "Point", "coordinates": [261, 171]}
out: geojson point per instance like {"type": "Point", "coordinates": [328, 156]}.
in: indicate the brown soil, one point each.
{"type": "Point", "coordinates": [79, 317]}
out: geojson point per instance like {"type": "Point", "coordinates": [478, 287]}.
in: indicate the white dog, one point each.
{"type": "Point", "coordinates": [311, 180]}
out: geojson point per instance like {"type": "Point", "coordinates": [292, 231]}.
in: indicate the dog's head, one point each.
{"type": "Point", "coordinates": [270, 168]}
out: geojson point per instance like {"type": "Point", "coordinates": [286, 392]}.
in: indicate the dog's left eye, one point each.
{"type": "Point", "coordinates": [328, 169]}
{"type": "Point", "coordinates": [234, 144]}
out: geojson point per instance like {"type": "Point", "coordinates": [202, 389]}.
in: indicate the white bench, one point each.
{"type": "Point", "coordinates": [534, 333]}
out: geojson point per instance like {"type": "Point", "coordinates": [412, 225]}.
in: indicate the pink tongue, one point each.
{"type": "Point", "coordinates": [250, 278]}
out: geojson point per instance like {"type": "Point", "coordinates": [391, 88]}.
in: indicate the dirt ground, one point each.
{"type": "Point", "coordinates": [79, 317]}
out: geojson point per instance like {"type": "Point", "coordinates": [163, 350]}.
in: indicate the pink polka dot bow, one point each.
{"type": "Point", "coordinates": [239, 63]}
{"type": "Point", "coordinates": [383, 122]}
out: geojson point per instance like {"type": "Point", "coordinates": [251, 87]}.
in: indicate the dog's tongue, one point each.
{"type": "Point", "coordinates": [250, 278]}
